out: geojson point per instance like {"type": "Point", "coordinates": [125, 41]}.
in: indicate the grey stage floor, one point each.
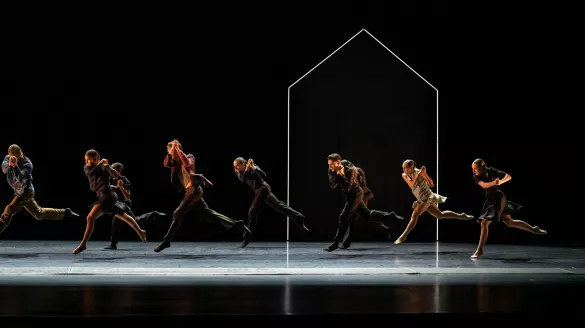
{"type": "Point", "coordinates": [221, 282]}
{"type": "Point", "coordinates": [219, 258]}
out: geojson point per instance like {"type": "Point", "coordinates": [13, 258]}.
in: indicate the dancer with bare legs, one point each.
{"type": "Point", "coordinates": [496, 206]}
{"type": "Point", "coordinates": [98, 173]}
{"type": "Point", "coordinates": [426, 201]}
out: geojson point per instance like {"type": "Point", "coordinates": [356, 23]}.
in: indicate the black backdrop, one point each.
{"type": "Point", "coordinates": [368, 106]}
{"type": "Point", "coordinates": [505, 94]}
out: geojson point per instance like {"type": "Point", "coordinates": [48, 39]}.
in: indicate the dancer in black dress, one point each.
{"type": "Point", "coordinates": [496, 206]}
{"type": "Point", "coordinates": [98, 172]}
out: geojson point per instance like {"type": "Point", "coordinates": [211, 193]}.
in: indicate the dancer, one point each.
{"type": "Point", "coordinates": [367, 196]}
{"type": "Point", "coordinates": [183, 169]}
{"type": "Point", "coordinates": [18, 169]}
{"type": "Point", "coordinates": [98, 173]}
{"type": "Point", "coordinates": [121, 185]}
{"type": "Point", "coordinates": [496, 206]}
{"type": "Point", "coordinates": [346, 178]}
{"type": "Point", "coordinates": [251, 174]}
{"type": "Point", "coordinates": [420, 183]}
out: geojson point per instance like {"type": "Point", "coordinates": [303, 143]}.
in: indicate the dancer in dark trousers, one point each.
{"type": "Point", "coordinates": [346, 178]}
{"type": "Point", "coordinates": [98, 172]}
{"type": "Point", "coordinates": [183, 169]}
{"type": "Point", "coordinates": [18, 169]}
{"type": "Point", "coordinates": [496, 206]}
{"type": "Point", "coordinates": [367, 196]}
{"type": "Point", "coordinates": [122, 186]}
{"type": "Point", "coordinates": [251, 174]}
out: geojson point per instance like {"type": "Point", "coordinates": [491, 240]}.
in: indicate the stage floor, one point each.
{"type": "Point", "coordinates": [221, 258]}
{"type": "Point", "coordinates": [43, 279]}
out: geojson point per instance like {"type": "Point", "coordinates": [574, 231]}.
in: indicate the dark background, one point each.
{"type": "Point", "coordinates": [368, 106]}
{"type": "Point", "coordinates": [506, 93]}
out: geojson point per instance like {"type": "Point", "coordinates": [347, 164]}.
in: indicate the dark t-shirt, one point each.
{"type": "Point", "coordinates": [253, 178]}
{"type": "Point", "coordinates": [99, 178]}
{"type": "Point", "coordinates": [490, 175]}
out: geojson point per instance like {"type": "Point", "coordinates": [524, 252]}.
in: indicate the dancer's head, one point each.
{"type": "Point", "coordinates": [119, 167]}
{"type": "Point", "coordinates": [240, 164]}
{"type": "Point", "coordinates": [14, 150]}
{"type": "Point", "coordinates": [408, 166]}
{"type": "Point", "coordinates": [334, 161]}
{"type": "Point", "coordinates": [92, 157]}
{"type": "Point", "coordinates": [478, 167]}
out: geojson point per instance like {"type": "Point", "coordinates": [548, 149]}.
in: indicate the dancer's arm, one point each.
{"type": "Point", "coordinates": [259, 172]}
{"type": "Point", "coordinates": [362, 177]}
{"type": "Point", "coordinates": [427, 177]}
{"type": "Point", "coordinates": [333, 179]}
{"type": "Point", "coordinates": [502, 176]}
{"type": "Point", "coordinates": [5, 164]}
{"type": "Point", "coordinates": [113, 173]}
{"type": "Point", "coordinates": [168, 161]}
{"type": "Point", "coordinates": [486, 185]}
{"type": "Point", "coordinates": [410, 182]}
{"type": "Point", "coordinates": [123, 187]}
{"type": "Point", "coordinates": [506, 178]}
{"type": "Point", "coordinates": [25, 173]}
{"type": "Point", "coordinates": [188, 161]}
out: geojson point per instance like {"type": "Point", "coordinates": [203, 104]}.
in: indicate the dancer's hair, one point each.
{"type": "Point", "coordinates": [347, 162]}
{"type": "Point", "coordinates": [92, 153]}
{"type": "Point", "coordinates": [409, 163]}
{"type": "Point", "coordinates": [118, 167]}
{"type": "Point", "coordinates": [14, 149]}
{"type": "Point", "coordinates": [334, 157]}
{"type": "Point", "coordinates": [240, 160]}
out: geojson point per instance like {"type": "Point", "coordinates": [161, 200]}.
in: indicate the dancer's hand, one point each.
{"type": "Point", "coordinates": [497, 181]}
{"type": "Point", "coordinates": [341, 170]}
{"type": "Point", "coordinates": [12, 161]}
{"type": "Point", "coordinates": [250, 165]}
{"type": "Point", "coordinates": [103, 162]}
{"type": "Point", "coordinates": [423, 169]}
{"type": "Point", "coordinates": [120, 183]}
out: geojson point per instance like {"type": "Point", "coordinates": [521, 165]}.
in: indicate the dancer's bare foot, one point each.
{"type": "Point", "coordinates": [400, 240]}
{"type": "Point", "coordinates": [539, 231]}
{"type": "Point", "coordinates": [79, 249]}
{"type": "Point", "coordinates": [467, 216]}
{"type": "Point", "coordinates": [143, 235]}
{"type": "Point", "coordinates": [477, 254]}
